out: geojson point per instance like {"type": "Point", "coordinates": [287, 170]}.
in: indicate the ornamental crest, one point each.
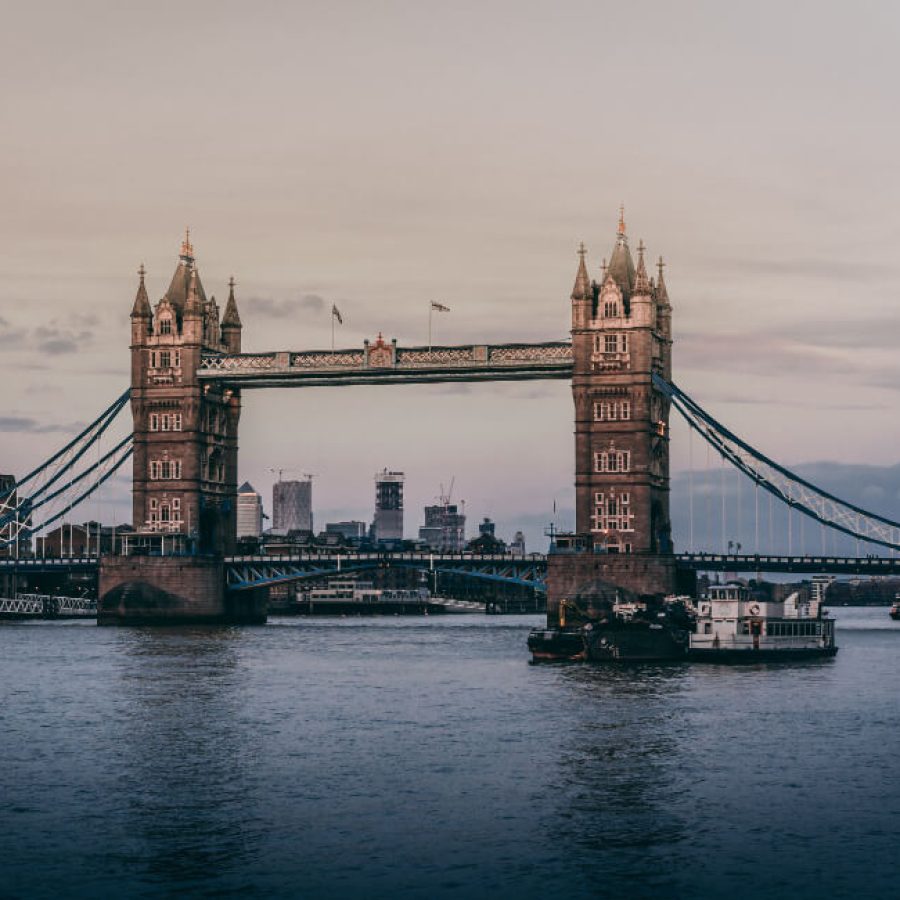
{"type": "Point", "coordinates": [380, 354]}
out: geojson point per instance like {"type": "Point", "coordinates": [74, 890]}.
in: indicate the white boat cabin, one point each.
{"type": "Point", "coordinates": [731, 618]}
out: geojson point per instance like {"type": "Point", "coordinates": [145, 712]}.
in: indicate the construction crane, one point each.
{"type": "Point", "coordinates": [445, 498]}
{"type": "Point", "coordinates": [307, 475]}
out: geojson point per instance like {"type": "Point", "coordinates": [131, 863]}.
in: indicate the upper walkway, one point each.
{"type": "Point", "coordinates": [386, 363]}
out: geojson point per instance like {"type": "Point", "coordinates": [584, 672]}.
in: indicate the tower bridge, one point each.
{"type": "Point", "coordinates": [188, 375]}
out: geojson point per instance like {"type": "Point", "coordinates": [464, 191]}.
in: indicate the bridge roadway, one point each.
{"type": "Point", "coordinates": [386, 363]}
{"type": "Point", "coordinates": [243, 572]}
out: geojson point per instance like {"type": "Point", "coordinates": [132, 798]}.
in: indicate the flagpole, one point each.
{"type": "Point", "coordinates": [332, 331]}
{"type": "Point", "coordinates": [430, 314]}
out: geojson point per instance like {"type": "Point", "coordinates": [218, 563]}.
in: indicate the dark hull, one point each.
{"type": "Point", "coordinates": [610, 644]}
{"type": "Point", "coordinates": [895, 614]}
{"type": "Point", "coordinates": [748, 657]}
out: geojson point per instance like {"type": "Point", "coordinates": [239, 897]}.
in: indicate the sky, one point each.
{"type": "Point", "coordinates": [379, 156]}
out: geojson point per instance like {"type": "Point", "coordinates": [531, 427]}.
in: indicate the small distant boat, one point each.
{"type": "Point", "coordinates": [895, 609]}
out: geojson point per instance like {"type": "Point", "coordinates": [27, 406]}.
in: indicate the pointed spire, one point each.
{"type": "Point", "coordinates": [582, 288]}
{"type": "Point", "coordinates": [662, 295]}
{"type": "Point", "coordinates": [621, 266]}
{"type": "Point", "coordinates": [231, 318]}
{"type": "Point", "coordinates": [187, 248]}
{"type": "Point", "coordinates": [641, 282]}
{"type": "Point", "coordinates": [185, 271]}
{"type": "Point", "coordinates": [193, 304]}
{"type": "Point", "coordinates": [141, 306]}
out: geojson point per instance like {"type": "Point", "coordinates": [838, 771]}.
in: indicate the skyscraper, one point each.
{"type": "Point", "coordinates": [388, 522]}
{"type": "Point", "coordinates": [445, 528]}
{"type": "Point", "coordinates": [292, 506]}
{"type": "Point", "coordinates": [249, 512]}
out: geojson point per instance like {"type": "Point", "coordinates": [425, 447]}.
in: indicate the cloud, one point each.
{"type": "Point", "coordinates": [57, 341]}
{"type": "Point", "coordinates": [50, 339]}
{"type": "Point", "coordinates": [269, 307]}
{"type": "Point", "coordinates": [12, 338]}
{"type": "Point", "coordinates": [28, 425]}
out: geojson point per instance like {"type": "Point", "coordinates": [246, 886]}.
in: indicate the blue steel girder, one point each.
{"type": "Point", "coordinates": [245, 573]}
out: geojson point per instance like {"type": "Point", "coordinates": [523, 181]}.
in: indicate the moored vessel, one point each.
{"type": "Point", "coordinates": [895, 609]}
{"type": "Point", "coordinates": [735, 625]}
{"type": "Point", "coordinates": [604, 623]}
{"type": "Point", "coordinates": [344, 597]}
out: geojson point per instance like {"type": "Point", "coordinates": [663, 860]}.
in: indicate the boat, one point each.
{"type": "Point", "coordinates": [352, 597]}
{"type": "Point", "coordinates": [895, 609]}
{"type": "Point", "coordinates": [730, 624]}
{"type": "Point", "coordinates": [604, 623]}
{"type": "Point", "coordinates": [735, 625]}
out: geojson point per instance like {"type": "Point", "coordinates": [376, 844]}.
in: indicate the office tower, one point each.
{"type": "Point", "coordinates": [249, 512]}
{"type": "Point", "coordinates": [292, 506]}
{"type": "Point", "coordinates": [388, 522]}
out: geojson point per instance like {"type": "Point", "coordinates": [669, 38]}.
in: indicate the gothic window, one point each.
{"type": "Point", "coordinates": [610, 308]}
{"type": "Point", "coordinates": [611, 343]}
{"type": "Point", "coordinates": [612, 461]}
{"type": "Point", "coordinates": [154, 422]}
{"type": "Point", "coordinates": [165, 359]}
{"type": "Point", "coordinates": [152, 359]}
{"type": "Point", "coordinates": [612, 410]}
{"type": "Point", "coordinates": [165, 325]}
{"type": "Point", "coordinates": [165, 469]}
{"type": "Point", "coordinates": [176, 421]}
{"type": "Point", "coordinates": [612, 512]}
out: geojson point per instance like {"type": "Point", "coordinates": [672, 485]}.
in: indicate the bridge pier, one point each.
{"type": "Point", "coordinates": [173, 590]}
{"type": "Point", "coordinates": [646, 573]}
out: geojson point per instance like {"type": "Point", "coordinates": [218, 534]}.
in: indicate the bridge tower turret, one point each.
{"type": "Point", "coordinates": [185, 433]}
{"type": "Point", "coordinates": [621, 336]}
{"type": "Point", "coordinates": [619, 340]}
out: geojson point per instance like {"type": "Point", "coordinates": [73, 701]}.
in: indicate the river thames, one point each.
{"type": "Point", "coordinates": [427, 758]}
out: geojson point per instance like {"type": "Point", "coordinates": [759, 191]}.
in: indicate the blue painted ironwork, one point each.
{"type": "Point", "coordinates": [244, 573]}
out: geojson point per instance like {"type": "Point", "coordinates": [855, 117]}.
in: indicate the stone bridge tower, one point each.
{"type": "Point", "coordinates": [621, 336]}
{"type": "Point", "coordinates": [185, 432]}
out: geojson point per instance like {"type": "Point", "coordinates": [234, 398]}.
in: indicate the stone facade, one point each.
{"type": "Point", "coordinates": [185, 432]}
{"type": "Point", "coordinates": [621, 336]}
{"type": "Point", "coordinates": [139, 590]}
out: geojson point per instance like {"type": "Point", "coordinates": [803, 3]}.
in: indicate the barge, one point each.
{"type": "Point", "coordinates": [730, 624]}
{"type": "Point", "coordinates": [604, 623]}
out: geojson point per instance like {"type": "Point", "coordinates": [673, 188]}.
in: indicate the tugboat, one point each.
{"type": "Point", "coordinates": [734, 625]}
{"type": "Point", "coordinates": [895, 609]}
{"type": "Point", "coordinates": [605, 623]}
